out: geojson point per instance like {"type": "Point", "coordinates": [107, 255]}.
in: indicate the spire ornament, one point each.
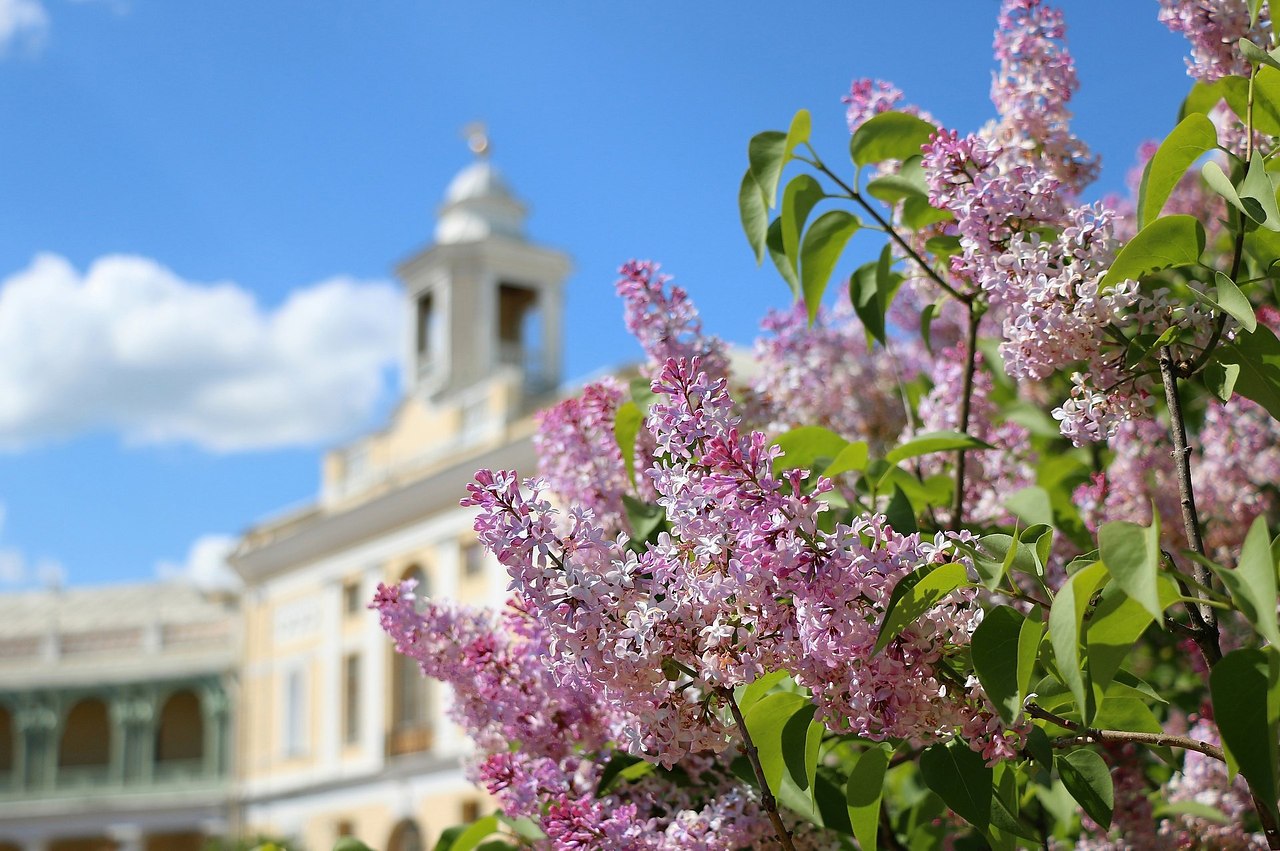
{"type": "Point", "coordinates": [477, 136]}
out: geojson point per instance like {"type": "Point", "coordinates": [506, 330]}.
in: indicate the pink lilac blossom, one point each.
{"type": "Point", "coordinates": [1213, 27]}
{"type": "Point", "coordinates": [578, 454]}
{"type": "Point", "coordinates": [1204, 781]}
{"type": "Point", "coordinates": [1044, 287]}
{"type": "Point", "coordinates": [505, 694]}
{"type": "Point", "coordinates": [868, 98]}
{"type": "Point", "coordinates": [1229, 494]}
{"type": "Point", "coordinates": [990, 476]}
{"type": "Point", "coordinates": [823, 374]}
{"type": "Point", "coordinates": [664, 320]}
{"type": "Point", "coordinates": [1133, 826]}
{"type": "Point", "coordinates": [744, 582]}
{"type": "Point", "coordinates": [1031, 90]}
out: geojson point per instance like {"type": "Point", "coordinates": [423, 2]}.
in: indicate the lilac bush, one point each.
{"type": "Point", "coordinates": [979, 556]}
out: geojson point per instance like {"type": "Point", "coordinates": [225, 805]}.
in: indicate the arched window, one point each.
{"type": "Point", "coordinates": [410, 691]}
{"type": "Point", "coordinates": [405, 836]}
{"type": "Point", "coordinates": [180, 734]}
{"type": "Point", "coordinates": [86, 735]}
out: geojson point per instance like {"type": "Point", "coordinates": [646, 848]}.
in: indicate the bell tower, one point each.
{"type": "Point", "coordinates": [485, 303]}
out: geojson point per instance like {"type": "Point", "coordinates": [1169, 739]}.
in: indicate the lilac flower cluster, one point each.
{"type": "Point", "coordinates": [1031, 90]}
{"type": "Point", "coordinates": [664, 320]}
{"type": "Point", "coordinates": [868, 97]}
{"type": "Point", "coordinates": [990, 476]}
{"type": "Point", "coordinates": [1213, 27]}
{"type": "Point", "coordinates": [1229, 495]}
{"type": "Point", "coordinates": [1040, 263]}
{"type": "Point", "coordinates": [504, 693]}
{"type": "Point", "coordinates": [578, 455]}
{"type": "Point", "coordinates": [743, 582]}
{"type": "Point", "coordinates": [823, 374]}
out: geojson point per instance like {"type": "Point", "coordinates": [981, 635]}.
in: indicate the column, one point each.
{"type": "Point", "coordinates": [215, 706]}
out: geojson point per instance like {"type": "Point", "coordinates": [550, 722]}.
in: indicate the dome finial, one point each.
{"type": "Point", "coordinates": [477, 137]}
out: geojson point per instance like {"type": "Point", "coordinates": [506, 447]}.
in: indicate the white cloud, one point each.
{"type": "Point", "coordinates": [206, 565]}
{"type": "Point", "coordinates": [23, 23]}
{"type": "Point", "coordinates": [16, 569]}
{"type": "Point", "coordinates": [131, 347]}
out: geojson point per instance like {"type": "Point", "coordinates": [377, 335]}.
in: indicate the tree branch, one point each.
{"type": "Point", "coordinates": [966, 400]}
{"type": "Point", "coordinates": [1207, 622]}
{"type": "Point", "coordinates": [753, 756]}
{"type": "Point", "coordinates": [1090, 735]}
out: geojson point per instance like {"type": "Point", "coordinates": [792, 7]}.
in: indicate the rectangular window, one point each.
{"type": "Point", "coordinates": [352, 599]}
{"type": "Point", "coordinates": [351, 698]}
{"type": "Point", "coordinates": [428, 332]}
{"type": "Point", "coordinates": [472, 559]}
{"type": "Point", "coordinates": [294, 716]}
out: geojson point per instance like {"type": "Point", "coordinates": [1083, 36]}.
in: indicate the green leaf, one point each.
{"type": "Point", "coordinates": [889, 136]}
{"type": "Point", "coordinates": [923, 593]}
{"type": "Point", "coordinates": [927, 316]}
{"type": "Point", "coordinates": [646, 519]}
{"type": "Point", "coordinates": [754, 215]}
{"type": "Point", "coordinates": [1234, 303]}
{"type": "Point", "coordinates": [1220, 379]}
{"type": "Point", "coordinates": [821, 249]}
{"type": "Point", "coordinates": [798, 200]}
{"type": "Point", "coordinates": [778, 254]}
{"type": "Point", "coordinates": [1167, 242]}
{"type": "Point", "coordinates": [750, 694]}
{"type": "Point", "coordinates": [1065, 618]}
{"type": "Point", "coordinates": [961, 779]}
{"type": "Point", "coordinates": [1202, 98]}
{"type": "Point", "coordinates": [1253, 583]}
{"type": "Point", "coordinates": [767, 723]}
{"type": "Point", "coordinates": [996, 652]}
{"type": "Point", "coordinates": [801, 741]}
{"type": "Point", "coordinates": [1250, 51]}
{"type": "Point", "coordinates": [1088, 779]}
{"type": "Point", "coordinates": [621, 766]}
{"type": "Point", "coordinates": [1218, 181]}
{"type": "Point", "coordinates": [1255, 9]}
{"type": "Point", "coordinates": [852, 457]}
{"type": "Point", "coordinates": [1257, 356]}
{"type": "Point", "coordinates": [871, 290]}
{"type": "Point", "coordinates": [900, 513]}
{"type": "Point", "coordinates": [933, 441]}
{"type": "Point", "coordinates": [907, 182]}
{"type": "Point", "coordinates": [767, 154]}
{"type": "Point", "coordinates": [1266, 106]}
{"type": "Point", "coordinates": [1258, 195]}
{"type": "Point", "coordinates": [1116, 625]}
{"type": "Point", "coordinates": [1031, 505]}
{"type": "Point", "coordinates": [806, 447]}
{"type": "Point", "coordinates": [863, 793]}
{"type": "Point", "coordinates": [350, 843]}
{"type": "Point", "coordinates": [1132, 555]}
{"type": "Point", "coordinates": [469, 837]}
{"type": "Point", "coordinates": [797, 133]}
{"type": "Point", "coordinates": [917, 213]}
{"type": "Point", "coordinates": [1242, 685]}
{"type": "Point", "coordinates": [1028, 652]}
{"type": "Point", "coordinates": [626, 425]}
{"type": "Point", "coordinates": [1193, 136]}
{"type": "Point", "coordinates": [1195, 809]}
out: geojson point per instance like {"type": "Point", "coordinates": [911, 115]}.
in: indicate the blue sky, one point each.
{"type": "Point", "coordinates": [259, 168]}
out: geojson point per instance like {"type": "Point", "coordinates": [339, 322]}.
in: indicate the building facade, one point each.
{"type": "Point", "coordinates": [116, 718]}
{"type": "Point", "coordinates": [337, 734]}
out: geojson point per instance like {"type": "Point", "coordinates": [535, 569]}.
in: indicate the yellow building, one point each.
{"type": "Point", "coordinates": [115, 714]}
{"type": "Point", "coordinates": [338, 735]}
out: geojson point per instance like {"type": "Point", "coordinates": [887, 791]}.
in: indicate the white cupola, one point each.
{"type": "Point", "coordinates": [484, 303]}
